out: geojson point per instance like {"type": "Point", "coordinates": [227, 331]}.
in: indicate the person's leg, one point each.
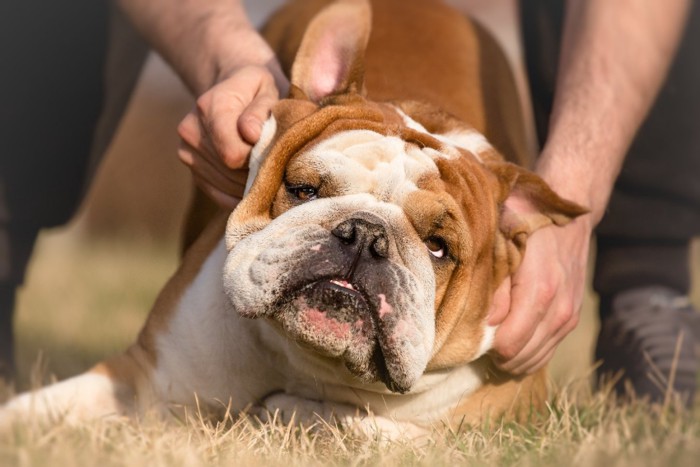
{"type": "Point", "coordinates": [54, 56]}
{"type": "Point", "coordinates": [653, 213]}
{"type": "Point", "coordinates": [642, 263]}
{"type": "Point", "coordinates": [15, 250]}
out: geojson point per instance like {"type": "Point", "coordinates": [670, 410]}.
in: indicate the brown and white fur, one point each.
{"type": "Point", "coordinates": [353, 280]}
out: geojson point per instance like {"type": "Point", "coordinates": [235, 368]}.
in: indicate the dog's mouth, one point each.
{"type": "Point", "coordinates": [337, 318]}
{"type": "Point", "coordinates": [340, 305]}
{"type": "Point", "coordinates": [326, 314]}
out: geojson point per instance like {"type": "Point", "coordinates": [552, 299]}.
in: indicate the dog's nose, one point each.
{"type": "Point", "coordinates": [363, 234]}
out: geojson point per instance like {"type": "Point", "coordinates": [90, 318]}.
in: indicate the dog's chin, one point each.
{"type": "Point", "coordinates": [334, 319]}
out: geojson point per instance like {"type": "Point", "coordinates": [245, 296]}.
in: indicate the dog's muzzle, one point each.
{"type": "Point", "coordinates": [342, 291]}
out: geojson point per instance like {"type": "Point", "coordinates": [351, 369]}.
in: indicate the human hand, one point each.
{"type": "Point", "coordinates": [218, 133]}
{"type": "Point", "coordinates": [540, 304]}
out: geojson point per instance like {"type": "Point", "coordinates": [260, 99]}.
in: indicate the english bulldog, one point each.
{"type": "Point", "coordinates": [352, 282]}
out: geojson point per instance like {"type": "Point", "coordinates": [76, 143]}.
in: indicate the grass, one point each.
{"type": "Point", "coordinates": [106, 287]}
{"type": "Point", "coordinates": [596, 432]}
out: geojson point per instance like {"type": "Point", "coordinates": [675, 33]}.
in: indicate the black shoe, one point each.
{"type": "Point", "coordinates": [647, 336]}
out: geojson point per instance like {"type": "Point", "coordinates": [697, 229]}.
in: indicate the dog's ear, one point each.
{"type": "Point", "coordinates": [527, 203]}
{"type": "Point", "coordinates": [330, 60]}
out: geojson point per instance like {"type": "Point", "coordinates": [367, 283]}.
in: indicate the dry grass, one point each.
{"type": "Point", "coordinates": [591, 432]}
{"type": "Point", "coordinates": [106, 287]}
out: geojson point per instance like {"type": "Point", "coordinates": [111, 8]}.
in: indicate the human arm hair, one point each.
{"type": "Point", "coordinates": [232, 72]}
{"type": "Point", "coordinates": [203, 40]}
{"type": "Point", "coordinates": [614, 58]}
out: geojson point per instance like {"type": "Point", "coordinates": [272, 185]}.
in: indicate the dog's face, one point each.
{"type": "Point", "coordinates": [366, 238]}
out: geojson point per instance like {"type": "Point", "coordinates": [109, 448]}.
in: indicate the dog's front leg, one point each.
{"type": "Point", "coordinates": [118, 386]}
{"type": "Point", "coordinates": [290, 409]}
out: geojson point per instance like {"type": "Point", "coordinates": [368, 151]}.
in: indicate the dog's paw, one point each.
{"type": "Point", "coordinates": [386, 429]}
{"type": "Point", "coordinates": [289, 409]}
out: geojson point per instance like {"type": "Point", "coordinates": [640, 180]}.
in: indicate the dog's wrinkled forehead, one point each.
{"type": "Point", "coordinates": [365, 161]}
{"type": "Point", "coordinates": [345, 145]}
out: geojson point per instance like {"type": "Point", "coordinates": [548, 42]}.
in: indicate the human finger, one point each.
{"type": "Point", "coordinates": [219, 197]}
{"type": "Point", "coordinates": [548, 335]}
{"type": "Point", "coordinates": [218, 111]}
{"type": "Point", "coordinates": [257, 112]}
{"type": "Point", "coordinates": [529, 304]}
{"type": "Point", "coordinates": [534, 287]}
{"type": "Point", "coordinates": [500, 304]}
{"type": "Point", "coordinates": [231, 183]}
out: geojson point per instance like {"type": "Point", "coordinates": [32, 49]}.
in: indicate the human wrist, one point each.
{"type": "Point", "coordinates": [574, 179]}
{"type": "Point", "coordinates": [243, 47]}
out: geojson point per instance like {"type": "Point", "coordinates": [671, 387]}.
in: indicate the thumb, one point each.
{"type": "Point", "coordinates": [251, 120]}
{"type": "Point", "coordinates": [500, 306]}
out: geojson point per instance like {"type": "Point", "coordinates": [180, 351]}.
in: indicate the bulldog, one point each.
{"type": "Point", "coordinates": [353, 281]}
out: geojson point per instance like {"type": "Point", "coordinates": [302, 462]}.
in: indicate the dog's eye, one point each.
{"type": "Point", "coordinates": [303, 192]}
{"type": "Point", "coordinates": [436, 246]}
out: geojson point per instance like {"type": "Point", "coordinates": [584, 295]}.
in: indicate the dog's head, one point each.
{"type": "Point", "coordinates": [375, 233]}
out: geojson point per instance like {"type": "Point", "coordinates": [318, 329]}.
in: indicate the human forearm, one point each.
{"type": "Point", "coordinates": [615, 55]}
{"type": "Point", "coordinates": [204, 40]}
{"type": "Point", "coordinates": [231, 71]}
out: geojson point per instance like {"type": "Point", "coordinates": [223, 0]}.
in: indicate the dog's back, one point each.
{"type": "Point", "coordinates": [425, 51]}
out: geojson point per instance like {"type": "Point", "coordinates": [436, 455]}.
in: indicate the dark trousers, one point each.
{"type": "Point", "coordinates": [654, 211]}
{"type": "Point", "coordinates": [53, 121]}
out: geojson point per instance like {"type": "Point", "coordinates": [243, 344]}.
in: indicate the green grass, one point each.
{"type": "Point", "coordinates": [86, 299]}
